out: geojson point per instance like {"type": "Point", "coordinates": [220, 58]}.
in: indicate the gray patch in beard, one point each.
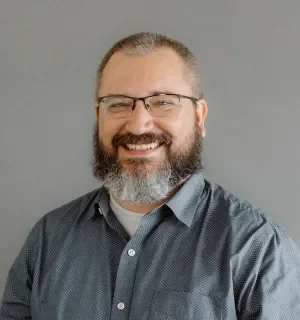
{"type": "Point", "coordinates": [153, 187]}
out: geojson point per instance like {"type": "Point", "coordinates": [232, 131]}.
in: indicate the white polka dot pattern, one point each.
{"type": "Point", "coordinates": [205, 254]}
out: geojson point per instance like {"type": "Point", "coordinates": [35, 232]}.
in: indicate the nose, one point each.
{"type": "Point", "coordinates": [139, 121]}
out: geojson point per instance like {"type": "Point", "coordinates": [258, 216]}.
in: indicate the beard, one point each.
{"type": "Point", "coordinates": [146, 180]}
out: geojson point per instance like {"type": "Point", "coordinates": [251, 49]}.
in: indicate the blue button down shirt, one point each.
{"type": "Point", "coordinates": [204, 254]}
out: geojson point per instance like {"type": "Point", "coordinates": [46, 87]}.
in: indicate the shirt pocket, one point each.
{"type": "Point", "coordinates": [178, 305]}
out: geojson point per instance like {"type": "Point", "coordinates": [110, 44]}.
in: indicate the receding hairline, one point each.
{"type": "Point", "coordinates": [145, 43]}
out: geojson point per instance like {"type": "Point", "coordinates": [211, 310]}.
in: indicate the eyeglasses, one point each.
{"type": "Point", "coordinates": [159, 105]}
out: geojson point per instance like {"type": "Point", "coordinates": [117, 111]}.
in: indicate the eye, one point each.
{"type": "Point", "coordinates": [119, 105]}
{"type": "Point", "coordinates": [162, 102]}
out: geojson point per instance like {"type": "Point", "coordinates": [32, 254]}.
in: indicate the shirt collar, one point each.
{"type": "Point", "coordinates": [98, 204]}
{"type": "Point", "coordinates": [183, 203]}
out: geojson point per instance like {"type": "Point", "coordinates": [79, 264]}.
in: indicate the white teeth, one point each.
{"type": "Point", "coordinates": [142, 146]}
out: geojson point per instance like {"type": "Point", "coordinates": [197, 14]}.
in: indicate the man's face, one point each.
{"type": "Point", "coordinates": [179, 134]}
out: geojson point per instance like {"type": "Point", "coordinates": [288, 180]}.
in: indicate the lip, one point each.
{"type": "Point", "coordinates": [140, 152]}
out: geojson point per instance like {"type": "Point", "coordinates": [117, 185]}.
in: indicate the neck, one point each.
{"type": "Point", "coordinates": [147, 207]}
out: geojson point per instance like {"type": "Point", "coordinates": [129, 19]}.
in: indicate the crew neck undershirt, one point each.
{"type": "Point", "coordinates": [130, 220]}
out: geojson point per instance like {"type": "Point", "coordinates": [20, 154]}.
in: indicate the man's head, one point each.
{"type": "Point", "coordinates": [170, 128]}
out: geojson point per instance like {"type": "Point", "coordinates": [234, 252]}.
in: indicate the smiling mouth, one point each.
{"type": "Point", "coordinates": [141, 147]}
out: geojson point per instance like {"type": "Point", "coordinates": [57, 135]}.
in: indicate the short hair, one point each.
{"type": "Point", "coordinates": [144, 43]}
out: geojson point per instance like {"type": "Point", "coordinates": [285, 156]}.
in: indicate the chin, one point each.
{"type": "Point", "coordinates": [141, 167]}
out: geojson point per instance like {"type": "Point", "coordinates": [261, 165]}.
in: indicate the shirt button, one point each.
{"type": "Point", "coordinates": [131, 252]}
{"type": "Point", "coordinates": [121, 305]}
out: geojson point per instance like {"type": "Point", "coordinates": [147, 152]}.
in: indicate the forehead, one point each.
{"type": "Point", "coordinates": [161, 70]}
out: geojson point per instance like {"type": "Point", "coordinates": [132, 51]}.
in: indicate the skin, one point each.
{"type": "Point", "coordinates": [160, 71]}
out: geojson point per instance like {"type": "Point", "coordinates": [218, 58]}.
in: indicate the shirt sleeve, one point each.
{"type": "Point", "coordinates": [272, 289]}
{"type": "Point", "coordinates": [15, 303]}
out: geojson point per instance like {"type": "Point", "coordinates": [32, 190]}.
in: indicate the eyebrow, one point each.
{"type": "Point", "coordinates": [152, 92]}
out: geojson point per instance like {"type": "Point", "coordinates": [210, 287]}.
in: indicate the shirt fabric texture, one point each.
{"type": "Point", "coordinates": [204, 254]}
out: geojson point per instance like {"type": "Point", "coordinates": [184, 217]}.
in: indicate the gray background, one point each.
{"type": "Point", "coordinates": [49, 50]}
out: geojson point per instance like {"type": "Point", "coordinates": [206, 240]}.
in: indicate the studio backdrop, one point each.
{"type": "Point", "coordinates": [248, 53]}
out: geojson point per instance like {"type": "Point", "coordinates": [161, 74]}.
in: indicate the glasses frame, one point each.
{"type": "Point", "coordinates": [135, 99]}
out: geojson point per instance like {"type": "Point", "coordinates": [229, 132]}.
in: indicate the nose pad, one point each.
{"type": "Point", "coordinates": [147, 106]}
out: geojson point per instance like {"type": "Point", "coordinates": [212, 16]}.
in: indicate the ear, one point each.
{"type": "Point", "coordinates": [201, 112]}
{"type": "Point", "coordinates": [96, 110]}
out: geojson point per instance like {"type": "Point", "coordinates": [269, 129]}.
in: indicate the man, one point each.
{"type": "Point", "coordinates": [157, 241]}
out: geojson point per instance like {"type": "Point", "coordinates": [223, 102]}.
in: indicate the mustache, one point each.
{"type": "Point", "coordinates": [145, 138]}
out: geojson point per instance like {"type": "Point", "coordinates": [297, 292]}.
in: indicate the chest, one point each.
{"type": "Point", "coordinates": [168, 274]}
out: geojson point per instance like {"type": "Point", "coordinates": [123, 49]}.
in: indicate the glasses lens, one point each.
{"type": "Point", "coordinates": [116, 106]}
{"type": "Point", "coordinates": [161, 105]}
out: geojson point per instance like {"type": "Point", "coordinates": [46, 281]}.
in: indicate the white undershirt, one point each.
{"type": "Point", "coordinates": [129, 220]}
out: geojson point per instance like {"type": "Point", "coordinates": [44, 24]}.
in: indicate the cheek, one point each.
{"type": "Point", "coordinates": [181, 132]}
{"type": "Point", "coordinates": [178, 129]}
{"type": "Point", "coordinates": [108, 129]}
